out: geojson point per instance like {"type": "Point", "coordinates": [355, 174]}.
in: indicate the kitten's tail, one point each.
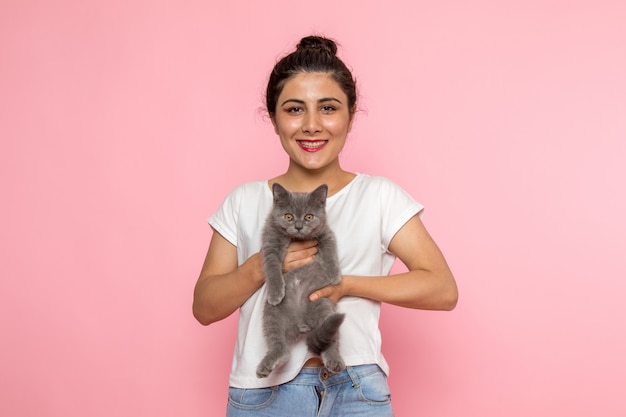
{"type": "Point", "coordinates": [320, 338]}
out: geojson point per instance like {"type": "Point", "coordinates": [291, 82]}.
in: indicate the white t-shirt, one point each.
{"type": "Point", "coordinates": [364, 215]}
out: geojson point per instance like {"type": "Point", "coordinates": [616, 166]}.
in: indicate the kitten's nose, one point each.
{"type": "Point", "coordinates": [298, 226]}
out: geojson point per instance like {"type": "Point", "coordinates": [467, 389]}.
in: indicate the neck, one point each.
{"type": "Point", "coordinates": [304, 180]}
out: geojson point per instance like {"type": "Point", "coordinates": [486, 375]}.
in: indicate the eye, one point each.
{"type": "Point", "coordinates": [289, 217]}
{"type": "Point", "coordinates": [327, 109]}
{"type": "Point", "coordinates": [308, 217]}
{"type": "Point", "coordinates": [294, 109]}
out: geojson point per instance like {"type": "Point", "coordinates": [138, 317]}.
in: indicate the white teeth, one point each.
{"type": "Point", "coordinates": [308, 144]}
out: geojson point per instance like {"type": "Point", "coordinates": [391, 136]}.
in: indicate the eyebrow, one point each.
{"type": "Point", "coordinates": [321, 100]}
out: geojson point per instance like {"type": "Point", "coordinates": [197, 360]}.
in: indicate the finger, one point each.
{"type": "Point", "coordinates": [301, 261]}
{"type": "Point", "coordinates": [301, 244]}
{"type": "Point", "coordinates": [322, 292]}
{"type": "Point", "coordinates": [304, 254]}
{"type": "Point", "coordinates": [296, 263]}
{"type": "Point", "coordinates": [309, 252]}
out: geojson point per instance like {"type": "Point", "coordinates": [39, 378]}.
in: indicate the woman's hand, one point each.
{"type": "Point", "coordinates": [333, 292]}
{"type": "Point", "coordinates": [299, 253]}
{"type": "Point", "coordinates": [428, 284]}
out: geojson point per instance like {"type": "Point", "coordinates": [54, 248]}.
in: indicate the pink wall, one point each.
{"type": "Point", "coordinates": [124, 123]}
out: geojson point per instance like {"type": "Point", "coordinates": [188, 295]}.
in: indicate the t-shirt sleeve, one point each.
{"type": "Point", "coordinates": [225, 220]}
{"type": "Point", "coordinates": [398, 207]}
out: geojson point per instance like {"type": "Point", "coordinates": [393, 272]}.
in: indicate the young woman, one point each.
{"type": "Point", "coordinates": [311, 100]}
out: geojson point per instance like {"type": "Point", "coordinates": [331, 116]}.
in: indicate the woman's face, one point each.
{"type": "Point", "coordinates": [312, 119]}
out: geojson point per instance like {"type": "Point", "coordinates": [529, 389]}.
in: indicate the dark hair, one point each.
{"type": "Point", "coordinates": [313, 54]}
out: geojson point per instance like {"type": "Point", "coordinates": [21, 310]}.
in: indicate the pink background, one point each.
{"type": "Point", "coordinates": [124, 123]}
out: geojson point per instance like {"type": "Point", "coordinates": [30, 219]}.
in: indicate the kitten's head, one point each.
{"type": "Point", "coordinates": [300, 216]}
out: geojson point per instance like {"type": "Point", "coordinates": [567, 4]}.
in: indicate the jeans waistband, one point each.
{"type": "Point", "coordinates": [320, 375]}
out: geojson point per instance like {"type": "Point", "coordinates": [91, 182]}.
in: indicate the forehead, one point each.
{"type": "Point", "coordinates": [312, 86]}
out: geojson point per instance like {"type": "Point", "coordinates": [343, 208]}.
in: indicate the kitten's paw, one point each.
{"type": "Point", "coordinates": [274, 300]}
{"type": "Point", "coordinates": [275, 297]}
{"type": "Point", "coordinates": [262, 371]}
{"type": "Point", "coordinates": [335, 365]}
{"type": "Point", "coordinates": [333, 362]}
{"type": "Point", "coordinates": [268, 364]}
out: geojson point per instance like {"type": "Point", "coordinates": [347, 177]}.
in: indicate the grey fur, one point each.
{"type": "Point", "coordinates": [288, 313]}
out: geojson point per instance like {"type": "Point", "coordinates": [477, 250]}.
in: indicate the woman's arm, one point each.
{"type": "Point", "coordinates": [428, 285]}
{"type": "Point", "coordinates": [223, 286]}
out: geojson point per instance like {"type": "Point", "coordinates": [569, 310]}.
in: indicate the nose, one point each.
{"type": "Point", "coordinates": [298, 226]}
{"type": "Point", "coordinates": [311, 123]}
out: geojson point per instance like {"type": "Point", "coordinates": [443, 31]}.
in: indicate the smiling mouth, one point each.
{"type": "Point", "coordinates": [312, 145]}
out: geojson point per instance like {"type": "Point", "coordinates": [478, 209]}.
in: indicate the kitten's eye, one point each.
{"type": "Point", "coordinates": [308, 217]}
{"type": "Point", "coordinates": [289, 217]}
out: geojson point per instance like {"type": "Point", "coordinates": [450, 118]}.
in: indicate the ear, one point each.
{"type": "Point", "coordinates": [279, 192]}
{"type": "Point", "coordinates": [319, 194]}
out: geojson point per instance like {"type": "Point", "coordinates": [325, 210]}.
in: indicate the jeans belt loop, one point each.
{"type": "Point", "coordinates": [353, 376]}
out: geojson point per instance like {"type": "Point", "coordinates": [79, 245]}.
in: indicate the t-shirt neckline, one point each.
{"type": "Point", "coordinates": [344, 190]}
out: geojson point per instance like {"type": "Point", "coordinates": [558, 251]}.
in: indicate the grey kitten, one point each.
{"type": "Point", "coordinates": [289, 313]}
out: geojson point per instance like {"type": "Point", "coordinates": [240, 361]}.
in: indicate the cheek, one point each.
{"type": "Point", "coordinates": [338, 126]}
{"type": "Point", "coordinates": [285, 128]}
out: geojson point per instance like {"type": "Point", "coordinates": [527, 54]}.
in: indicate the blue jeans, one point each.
{"type": "Point", "coordinates": [356, 391]}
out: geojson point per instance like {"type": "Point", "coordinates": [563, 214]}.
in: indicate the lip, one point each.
{"type": "Point", "coordinates": [312, 145]}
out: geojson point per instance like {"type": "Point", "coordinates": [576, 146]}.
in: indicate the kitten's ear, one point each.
{"type": "Point", "coordinates": [319, 194]}
{"type": "Point", "coordinates": [280, 193]}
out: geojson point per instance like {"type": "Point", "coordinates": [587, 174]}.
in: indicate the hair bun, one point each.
{"type": "Point", "coordinates": [319, 43]}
